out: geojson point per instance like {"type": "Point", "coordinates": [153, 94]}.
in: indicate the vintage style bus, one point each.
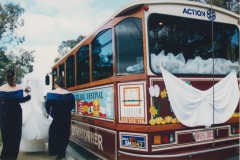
{"type": "Point", "coordinates": [158, 80]}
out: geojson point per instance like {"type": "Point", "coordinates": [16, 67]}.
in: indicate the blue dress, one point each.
{"type": "Point", "coordinates": [11, 122]}
{"type": "Point", "coordinates": [59, 106]}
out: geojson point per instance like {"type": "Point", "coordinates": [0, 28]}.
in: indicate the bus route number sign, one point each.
{"type": "Point", "coordinates": [203, 135]}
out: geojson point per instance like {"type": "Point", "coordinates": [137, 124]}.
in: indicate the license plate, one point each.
{"type": "Point", "coordinates": [203, 135]}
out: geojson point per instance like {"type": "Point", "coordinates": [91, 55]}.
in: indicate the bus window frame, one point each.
{"type": "Point", "coordinates": [117, 62]}
{"type": "Point", "coordinates": [77, 63]}
{"type": "Point", "coordinates": [102, 32]}
{"type": "Point", "coordinates": [184, 74]}
{"type": "Point", "coordinates": [111, 25]}
{"type": "Point", "coordinates": [66, 70]}
{"type": "Point", "coordinates": [138, 13]}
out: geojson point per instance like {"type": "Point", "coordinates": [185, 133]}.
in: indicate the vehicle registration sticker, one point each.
{"type": "Point", "coordinates": [203, 135]}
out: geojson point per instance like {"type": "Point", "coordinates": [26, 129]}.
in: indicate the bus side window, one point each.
{"type": "Point", "coordinates": [184, 46]}
{"type": "Point", "coordinates": [102, 56]}
{"type": "Point", "coordinates": [129, 46]}
{"type": "Point", "coordinates": [83, 65]}
{"type": "Point", "coordinates": [70, 71]}
{"type": "Point", "coordinates": [54, 74]}
{"type": "Point", "coordinates": [61, 71]}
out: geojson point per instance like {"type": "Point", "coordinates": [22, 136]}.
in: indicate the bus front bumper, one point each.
{"type": "Point", "coordinates": [213, 153]}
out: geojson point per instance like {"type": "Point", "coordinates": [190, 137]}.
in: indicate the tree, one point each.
{"type": "Point", "coordinates": [22, 64]}
{"type": "Point", "coordinates": [10, 54]}
{"type": "Point", "coordinates": [231, 5]}
{"type": "Point", "coordinates": [9, 21]}
{"type": "Point", "coordinates": [66, 46]}
{"type": "Point", "coordinates": [3, 63]}
{"type": "Point", "coordinates": [57, 59]}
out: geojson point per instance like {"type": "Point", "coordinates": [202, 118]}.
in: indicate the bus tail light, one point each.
{"type": "Point", "coordinates": [171, 138]}
{"type": "Point", "coordinates": [235, 129]}
{"type": "Point", "coordinates": [157, 140]}
{"type": "Point", "coordinates": [164, 139]}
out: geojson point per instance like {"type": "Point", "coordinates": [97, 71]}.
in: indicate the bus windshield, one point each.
{"type": "Point", "coordinates": [184, 46]}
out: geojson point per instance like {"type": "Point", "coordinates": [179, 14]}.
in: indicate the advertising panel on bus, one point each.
{"type": "Point", "coordinates": [95, 102]}
{"type": "Point", "coordinates": [132, 104]}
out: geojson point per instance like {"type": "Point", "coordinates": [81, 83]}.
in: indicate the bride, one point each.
{"type": "Point", "coordinates": [35, 124]}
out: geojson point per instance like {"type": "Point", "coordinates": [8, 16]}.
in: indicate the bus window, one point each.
{"type": "Point", "coordinates": [129, 46]}
{"type": "Point", "coordinates": [70, 71]}
{"type": "Point", "coordinates": [61, 70]}
{"type": "Point", "coordinates": [54, 75]}
{"type": "Point", "coordinates": [102, 64]}
{"type": "Point", "coordinates": [184, 45]}
{"type": "Point", "coordinates": [83, 66]}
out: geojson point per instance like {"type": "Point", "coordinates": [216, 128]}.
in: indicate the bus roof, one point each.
{"type": "Point", "coordinates": [138, 3]}
{"type": "Point", "coordinates": [133, 5]}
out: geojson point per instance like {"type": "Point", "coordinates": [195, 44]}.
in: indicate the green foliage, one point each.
{"type": "Point", "coordinates": [9, 21]}
{"type": "Point", "coordinates": [10, 55]}
{"type": "Point", "coordinates": [4, 61]}
{"type": "Point", "coordinates": [22, 64]}
{"type": "Point", "coordinates": [231, 5]}
{"type": "Point", "coordinates": [66, 46]}
{"type": "Point", "coordinates": [57, 59]}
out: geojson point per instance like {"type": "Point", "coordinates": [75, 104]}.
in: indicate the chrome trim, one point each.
{"type": "Point", "coordinates": [188, 79]}
{"type": "Point", "coordinates": [178, 155]}
{"type": "Point", "coordinates": [174, 145]}
{"type": "Point", "coordinates": [203, 129]}
{"type": "Point", "coordinates": [86, 124]}
{"type": "Point", "coordinates": [92, 117]}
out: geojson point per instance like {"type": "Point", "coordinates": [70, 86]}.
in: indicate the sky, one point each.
{"type": "Point", "coordinates": [49, 22]}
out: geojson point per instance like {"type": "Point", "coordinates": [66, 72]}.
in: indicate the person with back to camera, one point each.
{"type": "Point", "coordinates": [59, 104]}
{"type": "Point", "coordinates": [11, 95]}
{"type": "Point", "coordinates": [35, 124]}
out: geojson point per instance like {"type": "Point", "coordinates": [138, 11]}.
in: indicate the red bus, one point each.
{"type": "Point", "coordinates": [158, 80]}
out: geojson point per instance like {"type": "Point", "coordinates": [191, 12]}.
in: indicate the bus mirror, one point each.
{"type": "Point", "coordinates": [47, 80]}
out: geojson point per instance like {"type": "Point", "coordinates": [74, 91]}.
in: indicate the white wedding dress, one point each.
{"type": "Point", "coordinates": [35, 124]}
